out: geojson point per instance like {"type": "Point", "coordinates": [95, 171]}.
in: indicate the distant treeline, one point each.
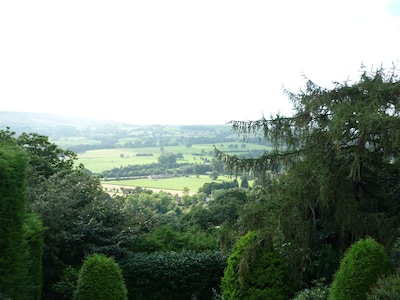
{"type": "Point", "coordinates": [148, 142]}
{"type": "Point", "coordinates": [181, 169]}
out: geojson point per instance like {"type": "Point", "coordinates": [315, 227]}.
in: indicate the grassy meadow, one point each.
{"type": "Point", "coordinates": [101, 160]}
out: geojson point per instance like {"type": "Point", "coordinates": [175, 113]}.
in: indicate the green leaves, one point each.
{"type": "Point", "coordinates": [255, 272]}
{"type": "Point", "coordinates": [46, 158]}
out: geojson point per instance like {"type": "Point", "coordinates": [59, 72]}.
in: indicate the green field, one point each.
{"type": "Point", "coordinates": [193, 183]}
{"type": "Point", "coordinates": [101, 160]}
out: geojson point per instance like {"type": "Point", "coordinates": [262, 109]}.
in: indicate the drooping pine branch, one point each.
{"type": "Point", "coordinates": [358, 121]}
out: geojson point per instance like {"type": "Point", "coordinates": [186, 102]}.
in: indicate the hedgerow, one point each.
{"type": "Point", "coordinates": [173, 275]}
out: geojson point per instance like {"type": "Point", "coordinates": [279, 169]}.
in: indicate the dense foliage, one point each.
{"type": "Point", "coordinates": [362, 265]}
{"type": "Point", "coordinates": [146, 170]}
{"type": "Point", "coordinates": [332, 177]}
{"type": "Point", "coordinates": [80, 220]}
{"type": "Point", "coordinates": [173, 275]}
{"type": "Point", "coordinates": [100, 278]}
{"type": "Point", "coordinates": [34, 236]}
{"type": "Point", "coordinates": [13, 272]}
{"type": "Point", "coordinates": [207, 188]}
{"type": "Point", "coordinates": [255, 272]}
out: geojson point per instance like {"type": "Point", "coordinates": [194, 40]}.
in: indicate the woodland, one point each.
{"type": "Point", "coordinates": [320, 221]}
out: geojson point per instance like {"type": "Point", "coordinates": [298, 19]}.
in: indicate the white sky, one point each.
{"type": "Point", "coordinates": [185, 62]}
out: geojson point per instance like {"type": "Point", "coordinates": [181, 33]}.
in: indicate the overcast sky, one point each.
{"type": "Point", "coordinates": [185, 62]}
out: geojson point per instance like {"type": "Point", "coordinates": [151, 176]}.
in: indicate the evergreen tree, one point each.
{"type": "Point", "coordinates": [13, 251]}
{"type": "Point", "coordinates": [339, 153]}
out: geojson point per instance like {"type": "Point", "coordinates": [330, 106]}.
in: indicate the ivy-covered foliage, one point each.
{"type": "Point", "coordinates": [100, 278]}
{"type": "Point", "coordinates": [173, 275]}
{"type": "Point", "coordinates": [255, 272]}
{"type": "Point", "coordinates": [364, 262]}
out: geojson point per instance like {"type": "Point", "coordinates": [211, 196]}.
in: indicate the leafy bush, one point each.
{"type": "Point", "coordinates": [319, 291]}
{"type": "Point", "coordinates": [173, 275]}
{"type": "Point", "coordinates": [65, 287]}
{"type": "Point", "coordinates": [386, 288]}
{"type": "Point", "coordinates": [359, 269]}
{"type": "Point", "coordinates": [167, 238]}
{"type": "Point", "coordinates": [100, 278]}
{"type": "Point", "coordinates": [255, 272]}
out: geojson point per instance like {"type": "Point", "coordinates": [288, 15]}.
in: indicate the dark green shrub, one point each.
{"type": "Point", "coordinates": [327, 263]}
{"type": "Point", "coordinates": [395, 254]}
{"type": "Point", "coordinates": [359, 269]}
{"type": "Point", "coordinates": [167, 238]}
{"type": "Point", "coordinates": [65, 287]}
{"type": "Point", "coordinates": [255, 272]}
{"type": "Point", "coordinates": [386, 288]}
{"type": "Point", "coordinates": [100, 278]}
{"type": "Point", "coordinates": [34, 234]}
{"type": "Point", "coordinates": [13, 247]}
{"type": "Point", "coordinates": [173, 275]}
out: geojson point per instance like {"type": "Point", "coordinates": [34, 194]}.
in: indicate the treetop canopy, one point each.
{"type": "Point", "coordinates": [360, 118]}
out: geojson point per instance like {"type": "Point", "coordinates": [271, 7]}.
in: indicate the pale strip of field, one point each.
{"type": "Point", "coordinates": [193, 183]}
{"type": "Point", "coordinates": [116, 189]}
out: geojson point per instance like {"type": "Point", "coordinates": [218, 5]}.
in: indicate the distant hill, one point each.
{"type": "Point", "coordinates": [47, 124]}
{"type": "Point", "coordinates": [81, 134]}
{"type": "Point", "coordinates": [9, 118]}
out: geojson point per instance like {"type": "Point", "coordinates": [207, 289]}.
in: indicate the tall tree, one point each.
{"type": "Point", "coordinates": [46, 158]}
{"type": "Point", "coordinates": [13, 272]}
{"type": "Point", "coordinates": [61, 201]}
{"type": "Point", "coordinates": [340, 152]}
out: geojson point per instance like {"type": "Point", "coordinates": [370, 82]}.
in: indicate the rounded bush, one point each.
{"type": "Point", "coordinates": [100, 278]}
{"type": "Point", "coordinates": [364, 262]}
